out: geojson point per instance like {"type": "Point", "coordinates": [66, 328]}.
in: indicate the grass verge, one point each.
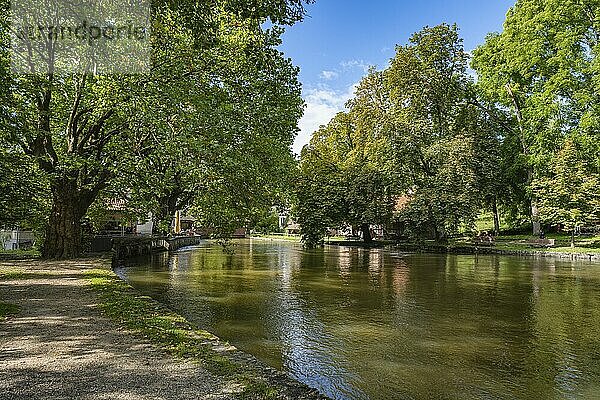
{"type": "Point", "coordinates": [521, 243]}
{"type": "Point", "coordinates": [289, 238]}
{"type": "Point", "coordinates": [16, 274]}
{"type": "Point", "coordinates": [12, 274]}
{"type": "Point", "coordinates": [172, 332]}
{"type": "Point", "coordinates": [8, 310]}
{"type": "Point", "coordinates": [19, 254]}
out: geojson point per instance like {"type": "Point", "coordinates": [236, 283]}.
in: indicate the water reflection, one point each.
{"type": "Point", "coordinates": [379, 324]}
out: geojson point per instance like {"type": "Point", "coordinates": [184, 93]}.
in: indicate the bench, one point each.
{"type": "Point", "coordinates": [542, 242]}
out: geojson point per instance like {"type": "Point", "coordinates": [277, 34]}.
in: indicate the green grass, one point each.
{"type": "Point", "coordinates": [291, 238]}
{"type": "Point", "coordinates": [561, 249]}
{"type": "Point", "coordinates": [170, 331]}
{"type": "Point", "coordinates": [8, 310]}
{"type": "Point", "coordinates": [485, 222]}
{"type": "Point", "coordinates": [583, 250]}
{"type": "Point", "coordinates": [17, 274]}
{"type": "Point", "coordinates": [557, 236]}
{"type": "Point", "coordinates": [259, 390]}
{"type": "Point", "coordinates": [513, 246]}
{"type": "Point", "coordinates": [335, 239]}
{"type": "Point", "coordinates": [589, 245]}
{"type": "Point", "coordinates": [11, 274]}
{"type": "Point", "coordinates": [19, 254]}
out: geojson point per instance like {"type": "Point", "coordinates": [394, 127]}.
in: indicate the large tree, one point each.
{"type": "Point", "coordinates": [345, 178]}
{"type": "Point", "coordinates": [540, 75]}
{"type": "Point", "coordinates": [222, 152]}
{"type": "Point", "coordinates": [82, 129]}
{"type": "Point", "coordinates": [570, 196]}
{"type": "Point", "coordinates": [412, 130]}
{"type": "Point", "coordinates": [435, 132]}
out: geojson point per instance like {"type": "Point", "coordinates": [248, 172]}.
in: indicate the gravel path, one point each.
{"type": "Point", "coordinates": [59, 346]}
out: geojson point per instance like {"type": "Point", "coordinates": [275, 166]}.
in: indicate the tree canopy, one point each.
{"type": "Point", "coordinates": [410, 131]}
{"type": "Point", "coordinates": [216, 113]}
{"type": "Point", "coordinates": [522, 137]}
{"type": "Point", "coordinates": [540, 75]}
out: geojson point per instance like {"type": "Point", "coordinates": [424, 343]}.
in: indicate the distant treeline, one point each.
{"type": "Point", "coordinates": [426, 147]}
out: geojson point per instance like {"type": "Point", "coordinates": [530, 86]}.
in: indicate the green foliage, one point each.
{"type": "Point", "coordinates": [339, 184]}
{"type": "Point", "coordinates": [571, 195]}
{"type": "Point", "coordinates": [539, 77]}
{"type": "Point", "coordinates": [8, 310]}
{"type": "Point", "coordinates": [320, 197]}
{"type": "Point", "coordinates": [145, 316]}
{"type": "Point", "coordinates": [437, 132]}
{"type": "Point", "coordinates": [284, 12]}
{"type": "Point", "coordinates": [268, 223]}
{"type": "Point", "coordinates": [17, 274]}
{"type": "Point", "coordinates": [23, 192]}
{"type": "Point", "coordinates": [222, 149]}
{"type": "Point", "coordinates": [411, 130]}
{"type": "Point", "coordinates": [208, 128]}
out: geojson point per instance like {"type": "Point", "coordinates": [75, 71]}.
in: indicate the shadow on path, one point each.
{"type": "Point", "coordinates": [60, 347]}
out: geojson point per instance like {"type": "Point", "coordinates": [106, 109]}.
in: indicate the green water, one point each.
{"type": "Point", "coordinates": [379, 324]}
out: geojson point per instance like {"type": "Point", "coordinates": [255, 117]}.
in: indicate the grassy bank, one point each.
{"type": "Point", "coordinates": [560, 249]}
{"type": "Point", "coordinates": [583, 245]}
{"type": "Point", "coordinates": [145, 316]}
{"type": "Point", "coordinates": [586, 249]}
{"type": "Point", "coordinates": [8, 310]}
{"type": "Point", "coordinates": [177, 336]}
{"type": "Point", "coordinates": [16, 274]}
{"type": "Point", "coordinates": [19, 254]}
{"type": "Point", "coordinates": [160, 326]}
{"type": "Point", "coordinates": [289, 238]}
{"type": "Point", "coordinates": [504, 243]}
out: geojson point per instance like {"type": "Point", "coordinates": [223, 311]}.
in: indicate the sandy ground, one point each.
{"type": "Point", "coordinates": [59, 346]}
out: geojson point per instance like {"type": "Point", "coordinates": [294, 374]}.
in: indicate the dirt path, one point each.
{"type": "Point", "coordinates": [59, 346]}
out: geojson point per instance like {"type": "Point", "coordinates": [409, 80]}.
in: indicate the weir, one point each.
{"type": "Point", "coordinates": [126, 247]}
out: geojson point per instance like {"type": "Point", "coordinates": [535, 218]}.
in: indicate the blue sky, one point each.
{"type": "Point", "coordinates": [341, 38]}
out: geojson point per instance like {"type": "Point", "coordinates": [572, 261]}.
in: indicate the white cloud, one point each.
{"type": "Point", "coordinates": [329, 75]}
{"type": "Point", "coordinates": [351, 64]}
{"type": "Point", "coordinates": [321, 106]}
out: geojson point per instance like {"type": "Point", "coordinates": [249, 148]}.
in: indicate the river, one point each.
{"type": "Point", "coordinates": [380, 324]}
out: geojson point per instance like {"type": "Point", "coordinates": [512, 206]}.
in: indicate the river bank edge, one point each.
{"type": "Point", "coordinates": [456, 249]}
{"type": "Point", "coordinates": [170, 332]}
{"type": "Point", "coordinates": [483, 250]}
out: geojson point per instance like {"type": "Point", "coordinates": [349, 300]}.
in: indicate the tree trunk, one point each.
{"type": "Point", "coordinates": [535, 214]}
{"type": "Point", "coordinates": [573, 238]}
{"type": "Point", "coordinates": [63, 235]}
{"type": "Point", "coordinates": [535, 219]}
{"type": "Point", "coordinates": [496, 218]}
{"type": "Point", "coordinates": [168, 206]}
{"type": "Point", "coordinates": [440, 235]}
{"type": "Point", "coordinates": [366, 230]}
